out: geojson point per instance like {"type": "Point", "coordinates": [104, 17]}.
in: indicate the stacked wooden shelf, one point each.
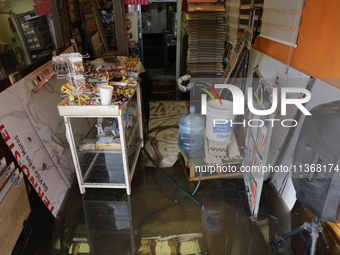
{"type": "Point", "coordinates": [14, 205]}
{"type": "Point", "coordinates": [207, 33]}
{"type": "Point", "coordinates": [100, 35]}
{"type": "Point", "coordinates": [90, 26]}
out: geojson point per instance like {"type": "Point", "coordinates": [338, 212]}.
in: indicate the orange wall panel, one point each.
{"type": "Point", "coordinates": [318, 51]}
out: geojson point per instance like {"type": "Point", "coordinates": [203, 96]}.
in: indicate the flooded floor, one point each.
{"type": "Point", "coordinates": [159, 219]}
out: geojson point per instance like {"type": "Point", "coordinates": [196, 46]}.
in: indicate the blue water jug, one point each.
{"type": "Point", "coordinates": [191, 126]}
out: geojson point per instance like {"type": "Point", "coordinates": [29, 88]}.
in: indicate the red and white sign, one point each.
{"type": "Point", "coordinates": [132, 28]}
{"type": "Point", "coordinates": [135, 2]}
{"type": "Point", "coordinates": [276, 83]}
{"type": "Point", "coordinates": [128, 24]}
{"type": "Point", "coordinates": [43, 6]}
{"type": "Point", "coordinates": [253, 194]}
{"type": "Point", "coordinates": [30, 153]}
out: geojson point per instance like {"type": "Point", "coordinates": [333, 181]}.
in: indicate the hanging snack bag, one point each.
{"type": "Point", "coordinates": [64, 67]}
{"type": "Point", "coordinates": [60, 65]}
{"type": "Point", "coordinates": [79, 81]}
{"type": "Point", "coordinates": [76, 63]}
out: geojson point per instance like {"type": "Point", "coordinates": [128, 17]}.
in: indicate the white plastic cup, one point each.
{"type": "Point", "coordinates": [220, 131]}
{"type": "Point", "coordinates": [105, 92]}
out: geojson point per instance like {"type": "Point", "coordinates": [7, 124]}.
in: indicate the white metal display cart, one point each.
{"type": "Point", "coordinates": [111, 165]}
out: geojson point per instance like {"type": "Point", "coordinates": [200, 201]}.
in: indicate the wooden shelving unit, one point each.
{"type": "Point", "coordinates": [14, 205]}
{"type": "Point", "coordinates": [100, 27]}
{"type": "Point", "coordinates": [104, 37]}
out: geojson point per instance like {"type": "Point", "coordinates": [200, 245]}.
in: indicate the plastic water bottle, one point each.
{"type": "Point", "coordinates": [191, 126]}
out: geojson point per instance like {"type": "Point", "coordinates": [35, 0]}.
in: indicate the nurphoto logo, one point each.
{"type": "Point", "coordinates": [239, 103]}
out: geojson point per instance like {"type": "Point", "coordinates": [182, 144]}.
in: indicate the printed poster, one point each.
{"type": "Point", "coordinates": [22, 139]}
{"type": "Point", "coordinates": [43, 7]}
{"type": "Point", "coordinates": [132, 28]}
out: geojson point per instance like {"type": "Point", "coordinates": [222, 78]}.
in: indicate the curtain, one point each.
{"type": "Point", "coordinates": [281, 20]}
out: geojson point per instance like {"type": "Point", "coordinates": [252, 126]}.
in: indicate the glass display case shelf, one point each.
{"type": "Point", "coordinates": [105, 164]}
{"type": "Point", "coordinates": [101, 151]}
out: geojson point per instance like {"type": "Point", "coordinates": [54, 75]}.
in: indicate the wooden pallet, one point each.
{"type": "Point", "coordinates": [189, 170]}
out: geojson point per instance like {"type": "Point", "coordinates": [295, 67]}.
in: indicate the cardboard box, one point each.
{"type": "Point", "coordinates": [37, 46]}
{"type": "Point", "coordinates": [30, 43]}
{"type": "Point", "coordinates": [30, 32]}
{"type": "Point", "coordinates": [6, 174]}
{"type": "Point", "coordinates": [27, 26]}
{"type": "Point", "coordinates": [14, 210]}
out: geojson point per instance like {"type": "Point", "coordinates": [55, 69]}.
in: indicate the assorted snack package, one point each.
{"type": "Point", "coordinates": [84, 80]}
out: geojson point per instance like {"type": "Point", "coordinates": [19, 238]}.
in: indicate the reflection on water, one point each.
{"type": "Point", "coordinates": [181, 244]}
{"type": "Point", "coordinates": [158, 219]}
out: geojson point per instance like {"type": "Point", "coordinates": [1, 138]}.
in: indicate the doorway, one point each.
{"type": "Point", "coordinates": [159, 38]}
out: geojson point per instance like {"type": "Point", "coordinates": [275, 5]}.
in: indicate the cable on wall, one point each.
{"type": "Point", "coordinates": [294, 34]}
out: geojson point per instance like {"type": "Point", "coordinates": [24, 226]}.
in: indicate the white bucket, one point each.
{"type": "Point", "coordinates": [221, 131]}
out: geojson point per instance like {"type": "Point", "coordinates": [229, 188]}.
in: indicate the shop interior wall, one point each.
{"type": "Point", "coordinates": [317, 52]}
{"type": "Point", "coordinates": [17, 7]}
{"type": "Point", "coordinates": [6, 34]}
{"type": "Point", "coordinates": [158, 13]}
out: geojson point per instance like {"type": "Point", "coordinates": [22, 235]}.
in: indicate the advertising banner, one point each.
{"type": "Point", "coordinates": [30, 153]}
{"type": "Point", "coordinates": [43, 7]}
